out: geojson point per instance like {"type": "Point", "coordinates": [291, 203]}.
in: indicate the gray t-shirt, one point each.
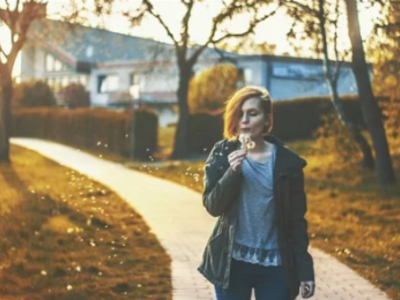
{"type": "Point", "coordinates": [256, 239]}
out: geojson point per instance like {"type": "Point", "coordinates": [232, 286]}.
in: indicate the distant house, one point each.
{"type": "Point", "coordinates": [117, 68]}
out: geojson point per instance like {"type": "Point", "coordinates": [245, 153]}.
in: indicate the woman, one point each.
{"type": "Point", "coordinates": [260, 239]}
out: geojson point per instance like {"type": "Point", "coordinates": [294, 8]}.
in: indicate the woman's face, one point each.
{"type": "Point", "coordinates": [252, 119]}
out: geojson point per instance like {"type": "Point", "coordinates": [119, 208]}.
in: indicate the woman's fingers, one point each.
{"type": "Point", "coordinates": [236, 158]}
{"type": "Point", "coordinates": [236, 155]}
{"type": "Point", "coordinates": [307, 289]}
{"type": "Point", "coordinates": [237, 166]}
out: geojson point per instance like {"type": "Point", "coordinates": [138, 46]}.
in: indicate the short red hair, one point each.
{"type": "Point", "coordinates": [234, 104]}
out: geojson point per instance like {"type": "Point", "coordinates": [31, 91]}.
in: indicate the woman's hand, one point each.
{"type": "Point", "coordinates": [307, 289]}
{"type": "Point", "coordinates": [236, 158]}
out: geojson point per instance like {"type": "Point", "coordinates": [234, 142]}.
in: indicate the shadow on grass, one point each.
{"type": "Point", "coordinates": [64, 236]}
{"type": "Point", "coordinates": [14, 182]}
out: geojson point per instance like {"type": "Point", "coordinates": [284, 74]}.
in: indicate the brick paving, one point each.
{"type": "Point", "coordinates": [176, 215]}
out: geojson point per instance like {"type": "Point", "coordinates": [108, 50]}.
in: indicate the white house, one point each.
{"type": "Point", "coordinates": [118, 69]}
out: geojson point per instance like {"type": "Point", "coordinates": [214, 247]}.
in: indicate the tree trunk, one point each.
{"type": "Point", "coordinates": [5, 115]}
{"type": "Point", "coordinates": [368, 159]}
{"type": "Point", "coordinates": [369, 107]}
{"type": "Point", "coordinates": [181, 134]}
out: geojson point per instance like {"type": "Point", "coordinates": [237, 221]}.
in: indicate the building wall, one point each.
{"type": "Point", "coordinates": [35, 65]}
{"type": "Point", "coordinates": [289, 80]}
{"type": "Point", "coordinates": [28, 62]}
{"type": "Point", "coordinates": [254, 71]}
{"type": "Point", "coordinates": [151, 82]}
{"type": "Point", "coordinates": [113, 83]}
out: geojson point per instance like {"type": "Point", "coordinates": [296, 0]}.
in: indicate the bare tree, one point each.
{"type": "Point", "coordinates": [369, 106]}
{"type": "Point", "coordinates": [317, 19]}
{"type": "Point", "coordinates": [382, 49]}
{"type": "Point", "coordinates": [332, 80]}
{"type": "Point", "coordinates": [18, 19]}
{"type": "Point", "coordinates": [187, 55]}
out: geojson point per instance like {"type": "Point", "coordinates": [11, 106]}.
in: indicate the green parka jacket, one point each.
{"type": "Point", "coordinates": [221, 189]}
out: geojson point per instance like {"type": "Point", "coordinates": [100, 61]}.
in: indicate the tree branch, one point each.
{"type": "Point", "coordinates": [250, 29]}
{"type": "Point", "coordinates": [3, 52]}
{"type": "Point", "coordinates": [7, 5]}
{"type": "Point", "coordinates": [389, 26]}
{"type": "Point", "coordinates": [305, 8]}
{"type": "Point", "coordinates": [218, 20]}
{"type": "Point", "coordinates": [185, 24]}
{"type": "Point", "coordinates": [335, 41]}
{"type": "Point", "coordinates": [16, 5]}
{"type": "Point", "coordinates": [6, 16]}
{"type": "Point", "coordinates": [150, 9]}
{"type": "Point", "coordinates": [16, 47]}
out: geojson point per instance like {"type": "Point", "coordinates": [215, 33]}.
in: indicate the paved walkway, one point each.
{"type": "Point", "coordinates": [177, 217]}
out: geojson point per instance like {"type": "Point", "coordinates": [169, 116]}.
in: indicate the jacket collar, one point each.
{"type": "Point", "coordinates": [285, 159]}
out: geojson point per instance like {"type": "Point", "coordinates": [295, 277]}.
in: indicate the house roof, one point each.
{"type": "Point", "coordinates": [83, 46]}
{"type": "Point", "coordinates": [92, 45]}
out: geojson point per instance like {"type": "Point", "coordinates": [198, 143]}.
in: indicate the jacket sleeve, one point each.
{"type": "Point", "coordinates": [220, 189]}
{"type": "Point", "coordinates": [303, 260]}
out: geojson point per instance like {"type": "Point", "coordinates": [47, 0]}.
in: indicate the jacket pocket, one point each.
{"type": "Point", "coordinates": [216, 254]}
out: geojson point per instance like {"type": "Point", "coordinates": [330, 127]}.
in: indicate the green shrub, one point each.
{"type": "Point", "coordinates": [204, 130]}
{"type": "Point", "coordinates": [75, 95]}
{"type": "Point", "coordinates": [146, 132]}
{"type": "Point", "coordinates": [33, 94]}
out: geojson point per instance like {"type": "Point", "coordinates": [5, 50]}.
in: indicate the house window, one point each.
{"type": "Point", "coordinates": [132, 78]}
{"type": "Point", "coordinates": [248, 75]}
{"type": "Point", "coordinates": [137, 79]}
{"type": "Point", "coordinates": [89, 51]}
{"type": "Point", "coordinates": [53, 64]}
{"type": "Point", "coordinates": [65, 81]}
{"type": "Point", "coordinates": [83, 80]}
{"type": "Point", "coordinates": [58, 66]}
{"type": "Point", "coordinates": [49, 63]}
{"type": "Point", "coordinates": [57, 84]}
{"type": "Point", "coordinates": [136, 84]}
{"type": "Point", "coordinates": [298, 72]}
{"type": "Point", "coordinates": [50, 82]}
{"type": "Point", "coordinates": [107, 83]}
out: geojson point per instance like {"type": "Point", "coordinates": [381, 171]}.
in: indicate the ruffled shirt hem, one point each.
{"type": "Point", "coordinates": [264, 257]}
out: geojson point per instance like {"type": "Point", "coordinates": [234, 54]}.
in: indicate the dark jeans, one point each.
{"type": "Point", "coordinates": [269, 283]}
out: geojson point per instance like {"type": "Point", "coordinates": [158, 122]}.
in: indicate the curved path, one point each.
{"type": "Point", "coordinates": [175, 214]}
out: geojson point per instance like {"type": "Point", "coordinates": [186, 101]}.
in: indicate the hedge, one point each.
{"type": "Point", "coordinates": [98, 129]}
{"type": "Point", "coordinates": [293, 119]}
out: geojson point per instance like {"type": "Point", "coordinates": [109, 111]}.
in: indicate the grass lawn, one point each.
{"type": "Point", "coordinates": [65, 236]}
{"type": "Point", "coordinates": [349, 216]}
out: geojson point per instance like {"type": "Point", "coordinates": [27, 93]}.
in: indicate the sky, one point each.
{"type": "Point", "coordinates": [271, 31]}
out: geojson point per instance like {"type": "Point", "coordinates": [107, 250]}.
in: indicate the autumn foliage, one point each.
{"type": "Point", "coordinates": [210, 88]}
